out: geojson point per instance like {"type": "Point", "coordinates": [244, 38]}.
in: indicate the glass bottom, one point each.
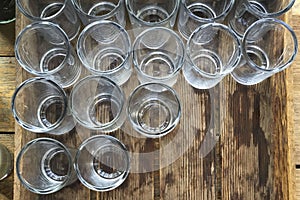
{"type": "Point", "coordinates": [6, 160]}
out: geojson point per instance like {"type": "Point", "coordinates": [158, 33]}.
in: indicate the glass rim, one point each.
{"type": "Point", "coordinates": [7, 21]}
{"type": "Point", "coordinates": [34, 26]}
{"type": "Point", "coordinates": [231, 33]}
{"type": "Point", "coordinates": [278, 22]}
{"type": "Point", "coordinates": [35, 18]}
{"type": "Point", "coordinates": [112, 12]}
{"type": "Point", "coordinates": [83, 145]}
{"type": "Point", "coordinates": [28, 185]}
{"type": "Point", "coordinates": [9, 160]}
{"type": "Point", "coordinates": [172, 34]}
{"type": "Point", "coordinates": [82, 82]}
{"type": "Point", "coordinates": [86, 31]}
{"type": "Point", "coordinates": [130, 11]}
{"type": "Point", "coordinates": [273, 14]}
{"type": "Point", "coordinates": [158, 134]}
{"type": "Point", "coordinates": [209, 20]}
{"type": "Point", "coordinates": [34, 128]}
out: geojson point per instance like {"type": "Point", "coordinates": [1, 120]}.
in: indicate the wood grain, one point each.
{"type": "Point", "coordinates": [296, 88]}
{"type": "Point", "coordinates": [7, 87]}
{"type": "Point", "coordinates": [7, 39]}
{"type": "Point", "coordinates": [251, 131]}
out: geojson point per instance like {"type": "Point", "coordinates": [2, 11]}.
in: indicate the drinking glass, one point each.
{"type": "Point", "coordinates": [269, 46]}
{"type": "Point", "coordinates": [249, 11]}
{"type": "Point", "coordinates": [104, 48]}
{"type": "Point", "coordinates": [98, 103]}
{"type": "Point", "coordinates": [102, 163]}
{"type": "Point", "coordinates": [43, 49]}
{"type": "Point", "coordinates": [40, 105]}
{"type": "Point", "coordinates": [145, 14]}
{"type": "Point", "coordinates": [194, 13]}
{"type": "Point", "coordinates": [7, 11]}
{"type": "Point", "coordinates": [154, 109]}
{"type": "Point", "coordinates": [6, 162]}
{"type": "Point", "coordinates": [44, 166]}
{"type": "Point", "coordinates": [91, 10]}
{"type": "Point", "coordinates": [158, 55]}
{"type": "Point", "coordinates": [212, 52]}
{"type": "Point", "coordinates": [60, 12]}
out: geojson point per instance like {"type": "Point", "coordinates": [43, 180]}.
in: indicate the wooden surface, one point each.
{"type": "Point", "coordinates": [253, 158]}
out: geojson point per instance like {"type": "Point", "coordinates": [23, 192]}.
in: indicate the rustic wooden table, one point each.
{"type": "Point", "coordinates": [256, 156]}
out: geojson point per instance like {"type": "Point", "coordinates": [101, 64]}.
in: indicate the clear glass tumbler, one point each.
{"type": "Point", "coordinates": [249, 11]}
{"type": "Point", "coordinates": [7, 11]}
{"type": "Point", "coordinates": [40, 105]}
{"type": "Point", "coordinates": [6, 162]}
{"type": "Point", "coordinates": [194, 13]}
{"type": "Point", "coordinates": [158, 56]}
{"type": "Point", "coordinates": [154, 109]}
{"type": "Point", "coordinates": [145, 14]}
{"type": "Point", "coordinates": [44, 166]}
{"type": "Point", "coordinates": [104, 48]}
{"type": "Point", "coordinates": [269, 46]}
{"type": "Point", "coordinates": [90, 10]}
{"type": "Point", "coordinates": [102, 163]}
{"type": "Point", "coordinates": [98, 103]}
{"type": "Point", "coordinates": [212, 52]}
{"type": "Point", "coordinates": [60, 12]}
{"type": "Point", "coordinates": [43, 49]}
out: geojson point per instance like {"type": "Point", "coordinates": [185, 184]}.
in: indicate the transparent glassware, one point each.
{"type": "Point", "coordinates": [90, 11]}
{"type": "Point", "coordinates": [60, 12]}
{"type": "Point", "coordinates": [104, 48]}
{"type": "Point", "coordinates": [43, 49]}
{"type": "Point", "coordinates": [269, 46]}
{"type": "Point", "coordinates": [44, 166]}
{"type": "Point", "coordinates": [6, 162]}
{"type": "Point", "coordinates": [158, 56]}
{"type": "Point", "coordinates": [7, 11]}
{"type": "Point", "coordinates": [194, 13]}
{"type": "Point", "coordinates": [146, 14]}
{"type": "Point", "coordinates": [41, 106]}
{"type": "Point", "coordinates": [154, 109]}
{"type": "Point", "coordinates": [212, 52]}
{"type": "Point", "coordinates": [249, 11]}
{"type": "Point", "coordinates": [102, 163]}
{"type": "Point", "coordinates": [98, 103]}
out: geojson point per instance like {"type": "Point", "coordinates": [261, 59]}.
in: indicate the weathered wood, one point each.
{"type": "Point", "coordinates": [7, 87]}
{"type": "Point", "coordinates": [7, 39]}
{"type": "Point", "coordinates": [6, 185]}
{"type": "Point", "coordinates": [296, 89]}
{"type": "Point", "coordinates": [251, 159]}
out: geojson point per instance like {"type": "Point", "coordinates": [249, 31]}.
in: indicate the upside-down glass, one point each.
{"type": "Point", "coordinates": [145, 14]}
{"type": "Point", "coordinates": [40, 105]}
{"type": "Point", "coordinates": [91, 10]}
{"type": "Point", "coordinates": [60, 12]}
{"type": "Point", "coordinates": [44, 166]}
{"type": "Point", "coordinates": [249, 11]}
{"type": "Point", "coordinates": [6, 162]}
{"type": "Point", "coordinates": [98, 103]}
{"type": "Point", "coordinates": [104, 48]}
{"type": "Point", "coordinates": [269, 46]}
{"type": "Point", "coordinates": [212, 52]}
{"type": "Point", "coordinates": [7, 11]}
{"type": "Point", "coordinates": [158, 55]}
{"type": "Point", "coordinates": [154, 109]}
{"type": "Point", "coordinates": [194, 13]}
{"type": "Point", "coordinates": [102, 163]}
{"type": "Point", "coordinates": [43, 49]}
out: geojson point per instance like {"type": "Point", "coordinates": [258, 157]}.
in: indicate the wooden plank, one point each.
{"type": "Point", "coordinates": [250, 160]}
{"type": "Point", "coordinates": [6, 185]}
{"type": "Point", "coordinates": [296, 89]}
{"type": "Point", "coordinates": [7, 87]}
{"type": "Point", "coordinates": [7, 39]}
